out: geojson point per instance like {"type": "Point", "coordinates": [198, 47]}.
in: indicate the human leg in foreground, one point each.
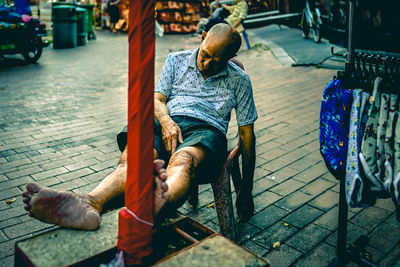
{"type": "Point", "coordinates": [82, 211]}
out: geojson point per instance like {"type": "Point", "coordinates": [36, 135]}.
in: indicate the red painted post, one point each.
{"type": "Point", "coordinates": [135, 222]}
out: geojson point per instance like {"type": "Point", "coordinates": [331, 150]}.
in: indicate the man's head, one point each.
{"type": "Point", "coordinates": [220, 44]}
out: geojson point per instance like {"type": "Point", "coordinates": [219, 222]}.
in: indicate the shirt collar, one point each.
{"type": "Point", "coordinates": [193, 60]}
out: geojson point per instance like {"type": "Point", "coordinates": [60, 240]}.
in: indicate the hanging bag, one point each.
{"type": "Point", "coordinates": [334, 127]}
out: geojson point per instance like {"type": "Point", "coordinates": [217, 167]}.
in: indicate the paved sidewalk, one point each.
{"type": "Point", "coordinates": [58, 126]}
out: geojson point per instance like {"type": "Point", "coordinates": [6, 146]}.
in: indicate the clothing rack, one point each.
{"type": "Point", "coordinates": [372, 63]}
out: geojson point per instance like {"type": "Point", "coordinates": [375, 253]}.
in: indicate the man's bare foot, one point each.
{"type": "Point", "coordinates": [161, 188]}
{"type": "Point", "coordinates": [244, 207]}
{"type": "Point", "coordinates": [61, 208]}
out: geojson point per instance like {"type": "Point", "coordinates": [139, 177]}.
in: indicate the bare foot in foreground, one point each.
{"type": "Point", "coordinates": [80, 211]}
{"type": "Point", "coordinates": [61, 208]}
{"type": "Point", "coordinates": [160, 191]}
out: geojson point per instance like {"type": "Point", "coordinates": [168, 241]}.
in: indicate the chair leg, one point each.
{"type": "Point", "coordinates": [193, 198]}
{"type": "Point", "coordinates": [223, 204]}
{"type": "Point", "coordinates": [235, 173]}
{"type": "Point", "coordinates": [246, 39]}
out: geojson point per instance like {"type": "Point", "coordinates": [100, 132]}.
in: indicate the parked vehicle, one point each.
{"type": "Point", "coordinates": [18, 37]}
{"type": "Point", "coordinates": [311, 21]}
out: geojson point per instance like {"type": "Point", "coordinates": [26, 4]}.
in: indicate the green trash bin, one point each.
{"type": "Point", "coordinates": [64, 26]}
{"type": "Point", "coordinates": [90, 32]}
{"type": "Point", "coordinates": [82, 15]}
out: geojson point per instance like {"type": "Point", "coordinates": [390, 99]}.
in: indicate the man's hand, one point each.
{"type": "Point", "coordinates": [171, 135]}
{"type": "Point", "coordinates": [170, 131]}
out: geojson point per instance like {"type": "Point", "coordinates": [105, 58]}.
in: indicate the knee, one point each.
{"type": "Point", "coordinates": [123, 159]}
{"type": "Point", "coordinates": [182, 158]}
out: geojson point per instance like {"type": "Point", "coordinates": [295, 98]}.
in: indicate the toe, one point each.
{"type": "Point", "coordinates": [27, 208]}
{"type": "Point", "coordinates": [164, 186]}
{"type": "Point", "coordinates": [33, 187]}
{"type": "Point", "coordinates": [158, 165]}
{"type": "Point", "coordinates": [26, 194]}
{"type": "Point", "coordinates": [26, 200]}
{"type": "Point", "coordinates": [165, 195]}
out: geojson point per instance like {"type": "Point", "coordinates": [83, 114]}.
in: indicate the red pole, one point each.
{"type": "Point", "coordinates": [135, 221]}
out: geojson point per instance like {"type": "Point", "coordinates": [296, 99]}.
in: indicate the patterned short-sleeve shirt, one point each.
{"type": "Point", "coordinates": [211, 100]}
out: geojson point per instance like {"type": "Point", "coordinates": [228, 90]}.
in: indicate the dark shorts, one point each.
{"type": "Point", "coordinates": [195, 133]}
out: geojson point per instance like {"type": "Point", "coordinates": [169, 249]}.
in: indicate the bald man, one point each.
{"type": "Point", "coordinates": [193, 99]}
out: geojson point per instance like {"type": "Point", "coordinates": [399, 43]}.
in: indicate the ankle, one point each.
{"type": "Point", "coordinates": [93, 202]}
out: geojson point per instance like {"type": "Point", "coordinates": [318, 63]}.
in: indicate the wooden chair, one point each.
{"type": "Point", "coordinates": [221, 185]}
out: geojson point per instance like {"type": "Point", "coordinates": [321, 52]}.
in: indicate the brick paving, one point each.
{"type": "Point", "coordinates": [58, 124]}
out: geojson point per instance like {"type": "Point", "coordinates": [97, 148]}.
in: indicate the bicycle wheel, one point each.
{"type": "Point", "coordinates": [316, 29]}
{"type": "Point", "coordinates": [305, 28]}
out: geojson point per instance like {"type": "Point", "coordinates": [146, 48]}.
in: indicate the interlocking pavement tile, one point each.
{"type": "Point", "coordinates": [82, 164]}
{"type": "Point", "coordinates": [371, 217]}
{"type": "Point", "coordinates": [265, 199]}
{"type": "Point", "coordinates": [49, 173]}
{"type": "Point", "coordinates": [204, 214]}
{"type": "Point", "coordinates": [326, 201]}
{"type": "Point", "coordinates": [390, 240]}
{"type": "Point", "coordinates": [255, 248]}
{"type": "Point", "coordinates": [10, 213]}
{"type": "Point", "coordinates": [97, 176]}
{"type": "Point", "coordinates": [303, 216]}
{"type": "Point", "coordinates": [276, 164]}
{"type": "Point", "coordinates": [24, 172]}
{"type": "Point", "coordinates": [25, 228]}
{"type": "Point", "coordinates": [283, 256]}
{"type": "Point", "coordinates": [329, 220]}
{"type": "Point", "coordinates": [268, 216]}
{"type": "Point", "coordinates": [392, 258]}
{"type": "Point", "coordinates": [276, 233]}
{"type": "Point", "coordinates": [283, 174]}
{"type": "Point", "coordinates": [322, 255]}
{"type": "Point", "coordinates": [311, 173]}
{"type": "Point", "coordinates": [10, 222]}
{"type": "Point", "coordinates": [104, 165]}
{"type": "Point", "coordinates": [317, 187]}
{"type": "Point", "coordinates": [14, 183]}
{"type": "Point", "coordinates": [308, 237]}
{"type": "Point", "coordinates": [74, 174]}
{"type": "Point", "coordinates": [287, 187]}
{"type": "Point", "coordinates": [12, 192]}
{"type": "Point", "coordinates": [392, 220]}
{"type": "Point", "coordinates": [56, 163]}
{"type": "Point", "coordinates": [70, 185]}
{"type": "Point", "coordinates": [386, 204]}
{"type": "Point", "coordinates": [260, 173]}
{"type": "Point", "coordinates": [293, 201]}
{"type": "Point", "coordinates": [245, 231]}
{"type": "Point", "coordinates": [353, 232]}
{"type": "Point", "coordinates": [262, 184]}
{"type": "Point", "coordinates": [3, 238]}
{"type": "Point", "coordinates": [8, 165]}
{"type": "Point", "coordinates": [7, 261]}
{"type": "Point", "coordinates": [272, 154]}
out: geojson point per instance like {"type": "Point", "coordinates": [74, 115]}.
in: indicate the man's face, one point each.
{"type": "Point", "coordinates": [211, 58]}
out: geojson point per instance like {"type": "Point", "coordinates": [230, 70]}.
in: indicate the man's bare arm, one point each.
{"type": "Point", "coordinates": [170, 131]}
{"type": "Point", "coordinates": [248, 156]}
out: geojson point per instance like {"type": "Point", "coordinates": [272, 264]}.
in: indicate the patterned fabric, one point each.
{"type": "Point", "coordinates": [396, 168]}
{"type": "Point", "coordinates": [381, 135]}
{"type": "Point", "coordinates": [389, 142]}
{"type": "Point", "coordinates": [334, 118]}
{"type": "Point", "coordinates": [211, 100]}
{"type": "Point", "coordinates": [368, 146]}
{"type": "Point", "coordinates": [354, 184]}
{"type": "Point", "coordinates": [363, 116]}
{"type": "Point", "coordinates": [238, 11]}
